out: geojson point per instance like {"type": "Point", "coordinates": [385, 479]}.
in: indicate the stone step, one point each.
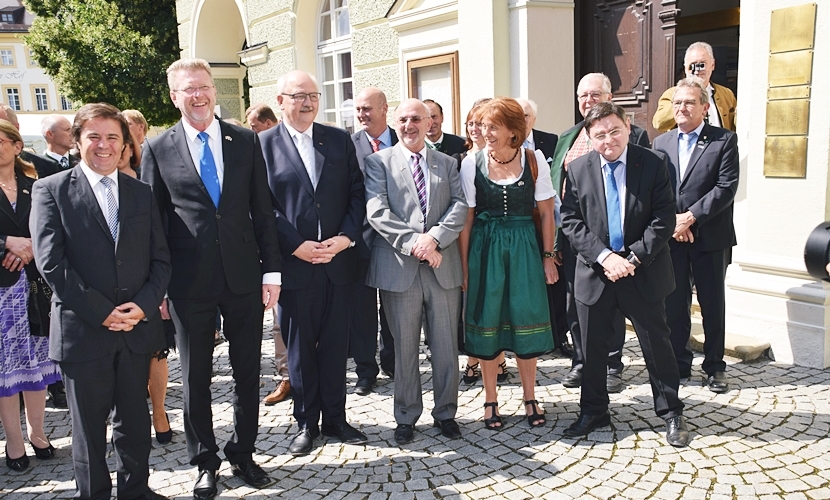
{"type": "Point", "coordinates": [736, 345]}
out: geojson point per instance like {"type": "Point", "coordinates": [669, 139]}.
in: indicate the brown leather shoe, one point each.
{"type": "Point", "coordinates": [280, 394]}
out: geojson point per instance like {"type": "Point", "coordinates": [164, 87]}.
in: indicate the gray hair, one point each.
{"type": "Point", "coordinates": [532, 103]}
{"type": "Point", "coordinates": [606, 82]}
{"type": "Point", "coordinates": [48, 124]}
{"type": "Point", "coordinates": [193, 64]}
{"type": "Point", "coordinates": [700, 45]}
{"type": "Point", "coordinates": [694, 82]}
{"type": "Point", "coordinates": [281, 81]}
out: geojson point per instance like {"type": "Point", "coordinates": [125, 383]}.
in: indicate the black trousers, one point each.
{"type": "Point", "coordinates": [557, 306]}
{"type": "Point", "coordinates": [617, 341]}
{"type": "Point", "coordinates": [649, 319]}
{"type": "Point", "coordinates": [195, 321]}
{"type": "Point", "coordinates": [363, 333]}
{"type": "Point", "coordinates": [707, 272]}
{"type": "Point", "coordinates": [116, 383]}
{"type": "Point", "coordinates": [312, 327]}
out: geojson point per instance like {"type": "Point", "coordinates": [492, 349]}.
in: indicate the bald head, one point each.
{"type": "Point", "coordinates": [57, 131]}
{"type": "Point", "coordinates": [529, 108]}
{"type": "Point", "coordinates": [412, 119]}
{"type": "Point", "coordinates": [370, 111]}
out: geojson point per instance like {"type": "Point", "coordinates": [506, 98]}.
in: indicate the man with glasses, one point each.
{"type": "Point", "coordinates": [593, 88]}
{"type": "Point", "coordinates": [210, 183]}
{"type": "Point", "coordinates": [319, 200]}
{"type": "Point", "coordinates": [618, 214]}
{"type": "Point", "coordinates": [704, 169]}
{"type": "Point", "coordinates": [700, 62]}
{"type": "Point", "coordinates": [415, 203]}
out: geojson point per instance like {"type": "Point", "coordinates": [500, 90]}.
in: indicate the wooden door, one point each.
{"type": "Point", "coordinates": [633, 43]}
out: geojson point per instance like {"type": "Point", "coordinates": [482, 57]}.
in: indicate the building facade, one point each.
{"type": "Point", "coordinates": [456, 51]}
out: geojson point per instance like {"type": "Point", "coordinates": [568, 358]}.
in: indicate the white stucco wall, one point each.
{"type": "Point", "coordinates": [769, 294]}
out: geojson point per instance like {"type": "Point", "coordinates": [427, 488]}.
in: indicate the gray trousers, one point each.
{"type": "Point", "coordinates": [405, 311]}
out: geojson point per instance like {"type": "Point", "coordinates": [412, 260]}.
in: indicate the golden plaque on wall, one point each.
{"type": "Point", "coordinates": [785, 156]}
{"type": "Point", "coordinates": [792, 28]}
{"type": "Point", "coordinates": [788, 117]}
{"type": "Point", "coordinates": [795, 92]}
{"type": "Point", "coordinates": [790, 68]}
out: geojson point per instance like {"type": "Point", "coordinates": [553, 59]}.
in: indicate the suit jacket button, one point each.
{"type": "Point", "coordinates": [217, 242]}
{"type": "Point", "coordinates": [118, 262]}
{"type": "Point", "coordinates": [681, 192]}
{"type": "Point", "coordinates": [218, 216]}
{"type": "Point", "coordinates": [115, 290]}
{"type": "Point", "coordinates": [318, 205]}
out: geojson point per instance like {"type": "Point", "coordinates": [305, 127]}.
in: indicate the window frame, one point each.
{"type": "Point", "coordinates": [5, 90]}
{"type": "Point", "coordinates": [335, 47]}
{"type": "Point", "coordinates": [35, 104]}
{"type": "Point", "coordinates": [413, 65]}
{"type": "Point", "coordinates": [10, 48]}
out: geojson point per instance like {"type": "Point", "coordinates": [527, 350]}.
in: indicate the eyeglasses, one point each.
{"type": "Point", "coordinates": [414, 119]}
{"type": "Point", "coordinates": [192, 90]}
{"type": "Point", "coordinates": [593, 96]}
{"type": "Point", "coordinates": [612, 134]}
{"type": "Point", "coordinates": [301, 96]}
{"type": "Point", "coordinates": [684, 104]}
{"type": "Point", "coordinates": [473, 124]}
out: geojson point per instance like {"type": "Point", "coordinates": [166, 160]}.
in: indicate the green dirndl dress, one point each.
{"type": "Point", "coordinates": [507, 304]}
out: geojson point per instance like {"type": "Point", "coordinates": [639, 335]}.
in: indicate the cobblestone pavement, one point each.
{"type": "Point", "coordinates": [766, 438]}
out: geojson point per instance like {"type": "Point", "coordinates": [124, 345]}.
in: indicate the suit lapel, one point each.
{"type": "Point", "coordinates": [633, 174]}
{"type": "Point", "coordinates": [318, 137]}
{"type": "Point", "coordinates": [229, 178]}
{"type": "Point", "coordinates": [674, 161]}
{"type": "Point", "coordinates": [394, 137]}
{"type": "Point", "coordinates": [401, 167]}
{"type": "Point", "coordinates": [179, 138]}
{"type": "Point", "coordinates": [283, 142]}
{"type": "Point", "coordinates": [80, 184]}
{"type": "Point", "coordinates": [126, 204]}
{"type": "Point", "coordinates": [24, 200]}
{"type": "Point", "coordinates": [6, 208]}
{"type": "Point", "coordinates": [702, 143]}
{"type": "Point", "coordinates": [434, 178]}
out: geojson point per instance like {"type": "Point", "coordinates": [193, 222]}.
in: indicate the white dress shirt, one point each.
{"type": "Point", "coordinates": [194, 145]}
{"type": "Point", "coordinates": [100, 191]}
{"type": "Point", "coordinates": [304, 141]}
{"type": "Point", "coordinates": [714, 114]}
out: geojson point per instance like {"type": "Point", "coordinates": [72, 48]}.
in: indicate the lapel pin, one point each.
{"type": "Point", "coordinates": [25, 191]}
{"type": "Point", "coordinates": [433, 166]}
{"type": "Point", "coordinates": [228, 138]}
{"type": "Point", "coordinates": [521, 183]}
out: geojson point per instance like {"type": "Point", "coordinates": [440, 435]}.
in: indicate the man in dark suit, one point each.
{"type": "Point", "coordinates": [209, 179]}
{"type": "Point", "coordinates": [98, 242]}
{"type": "Point", "coordinates": [370, 111]}
{"type": "Point", "coordinates": [437, 140]}
{"type": "Point", "coordinates": [704, 168]}
{"type": "Point", "coordinates": [618, 214]}
{"type": "Point", "coordinates": [44, 165]}
{"type": "Point", "coordinates": [416, 264]}
{"type": "Point", "coordinates": [318, 196]}
{"type": "Point", "coordinates": [592, 88]}
{"type": "Point", "coordinates": [56, 130]}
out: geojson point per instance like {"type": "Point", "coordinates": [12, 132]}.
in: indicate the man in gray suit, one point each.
{"type": "Point", "coordinates": [415, 203]}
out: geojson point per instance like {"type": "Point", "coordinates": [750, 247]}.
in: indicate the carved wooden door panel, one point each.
{"type": "Point", "coordinates": [632, 42]}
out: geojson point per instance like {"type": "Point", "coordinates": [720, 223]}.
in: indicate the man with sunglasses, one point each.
{"type": "Point", "coordinates": [318, 197]}
{"type": "Point", "coordinates": [700, 62]}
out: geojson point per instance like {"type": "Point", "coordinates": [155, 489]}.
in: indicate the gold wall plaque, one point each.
{"type": "Point", "coordinates": [790, 68]}
{"type": "Point", "coordinates": [790, 117]}
{"type": "Point", "coordinates": [797, 92]}
{"type": "Point", "coordinates": [792, 28]}
{"type": "Point", "coordinates": [785, 156]}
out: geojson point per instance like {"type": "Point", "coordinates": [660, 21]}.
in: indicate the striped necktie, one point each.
{"type": "Point", "coordinates": [112, 207]}
{"type": "Point", "coordinates": [420, 185]}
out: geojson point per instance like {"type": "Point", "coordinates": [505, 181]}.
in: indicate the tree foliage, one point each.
{"type": "Point", "coordinates": [113, 51]}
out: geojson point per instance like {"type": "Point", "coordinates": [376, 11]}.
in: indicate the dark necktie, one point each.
{"type": "Point", "coordinates": [64, 162]}
{"type": "Point", "coordinates": [375, 145]}
{"type": "Point", "coordinates": [207, 169]}
{"type": "Point", "coordinates": [612, 205]}
{"type": "Point", "coordinates": [420, 185]}
{"type": "Point", "coordinates": [112, 207]}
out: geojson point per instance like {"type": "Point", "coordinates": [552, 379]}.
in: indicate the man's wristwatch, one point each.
{"type": "Point", "coordinates": [352, 242]}
{"type": "Point", "coordinates": [633, 259]}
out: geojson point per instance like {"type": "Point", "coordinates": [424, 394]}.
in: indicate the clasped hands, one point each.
{"type": "Point", "coordinates": [321, 252]}
{"type": "Point", "coordinates": [682, 228]}
{"type": "Point", "coordinates": [18, 253]}
{"type": "Point", "coordinates": [617, 267]}
{"type": "Point", "coordinates": [124, 317]}
{"type": "Point", "coordinates": [425, 248]}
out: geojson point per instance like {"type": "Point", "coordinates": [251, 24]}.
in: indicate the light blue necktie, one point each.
{"type": "Point", "coordinates": [612, 203]}
{"type": "Point", "coordinates": [207, 169]}
{"type": "Point", "coordinates": [112, 207]}
{"type": "Point", "coordinates": [684, 151]}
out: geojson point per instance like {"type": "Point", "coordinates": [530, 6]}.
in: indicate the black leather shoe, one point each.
{"type": "Point", "coordinates": [302, 442]}
{"type": "Point", "coordinates": [567, 350]}
{"type": "Point", "coordinates": [449, 428]}
{"type": "Point", "coordinates": [614, 383]}
{"type": "Point", "coordinates": [252, 474]}
{"type": "Point", "coordinates": [17, 464]}
{"type": "Point", "coordinates": [57, 392]}
{"type": "Point", "coordinates": [150, 495]}
{"type": "Point", "coordinates": [573, 379]}
{"type": "Point", "coordinates": [205, 487]}
{"type": "Point", "coordinates": [363, 387]}
{"type": "Point", "coordinates": [677, 434]}
{"type": "Point", "coordinates": [165, 437]}
{"type": "Point", "coordinates": [717, 383]}
{"type": "Point", "coordinates": [586, 423]}
{"type": "Point", "coordinates": [345, 433]}
{"type": "Point", "coordinates": [44, 453]}
{"type": "Point", "coordinates": [404, 433]}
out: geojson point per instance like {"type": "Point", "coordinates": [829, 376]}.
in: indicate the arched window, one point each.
{"type": "Point", "coordinates": [334, 61]}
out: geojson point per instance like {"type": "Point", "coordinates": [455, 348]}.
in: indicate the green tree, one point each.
{"type": "Point", "coordinates": [113, 51]}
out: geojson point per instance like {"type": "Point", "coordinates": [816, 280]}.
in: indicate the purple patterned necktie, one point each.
{"type": "Point", "coordinates": [420, 185]}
